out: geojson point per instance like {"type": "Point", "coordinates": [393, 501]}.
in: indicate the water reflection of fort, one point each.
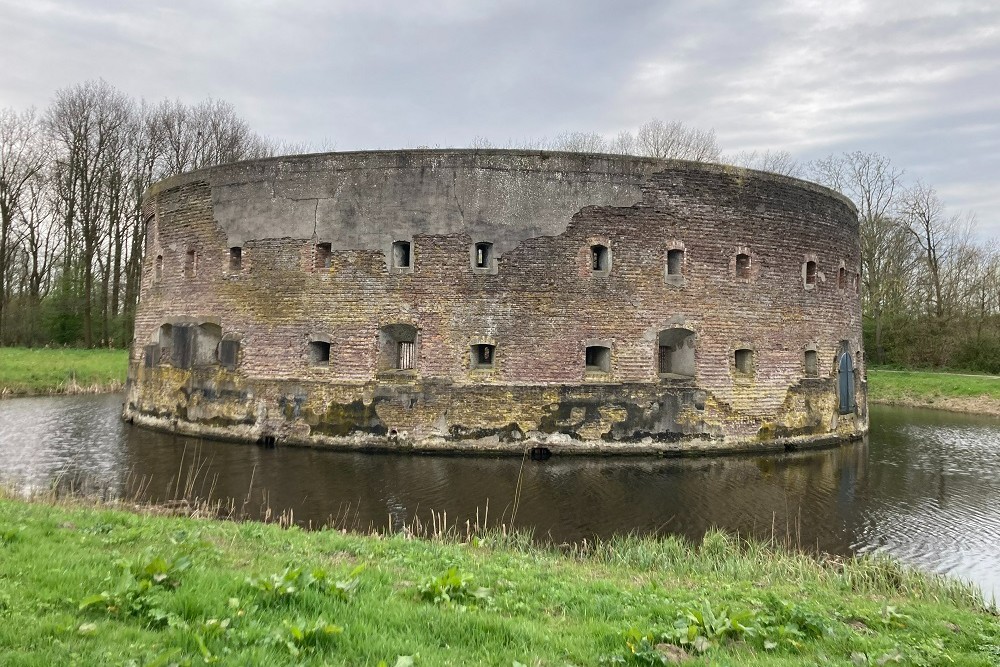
{"type": "Point", "coordinates": [565, 499]}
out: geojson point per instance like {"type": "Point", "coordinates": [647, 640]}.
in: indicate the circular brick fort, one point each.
{"type": "Point", "coordinates": [499, 301]}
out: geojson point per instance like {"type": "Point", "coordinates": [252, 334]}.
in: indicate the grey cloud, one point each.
{"type": "Point", "coordinates": [917, 83]}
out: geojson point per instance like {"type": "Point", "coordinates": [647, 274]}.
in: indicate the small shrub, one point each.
{"type": "Point", "coordinates": [302, 637]}
{"type": "Point", "coordinates": [293, 581]}
{"type": "Point", "coordinates": [783, 625]}
{"type": "Point", "coordinates": [132, 592]}
{"type": "Point", "coordinates": [453, 587]}
{"type": "Point", "coordinates": [771, 625]}
{"type": "Point", "coordinates": [11, 535]}
{"type": "Point", "coordinates": [703, 628]}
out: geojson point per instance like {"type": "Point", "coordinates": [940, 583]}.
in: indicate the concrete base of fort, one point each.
{"type": "Point", "coordinates": [671, 418]}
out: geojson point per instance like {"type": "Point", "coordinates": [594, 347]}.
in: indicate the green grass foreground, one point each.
{"type": "Point", "coordinates": [951, 391]}
{"type": "Point", "coordinates": [88, 585]}
{"type": "Point", "coordinates": [35, 371]}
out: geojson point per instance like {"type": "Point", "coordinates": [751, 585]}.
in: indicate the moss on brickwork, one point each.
{"type": "Point", "coordinates": [540, 306]}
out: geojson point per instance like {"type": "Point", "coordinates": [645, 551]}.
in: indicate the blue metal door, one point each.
{"type": "Point", "coordinates": [845, 384]}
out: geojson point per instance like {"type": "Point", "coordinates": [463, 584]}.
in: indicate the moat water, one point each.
{"type": "Point", "coordinates": [924, 487]}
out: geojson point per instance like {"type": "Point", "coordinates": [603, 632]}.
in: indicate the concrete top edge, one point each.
{"type": "Point", "coordinates": [565, 159]}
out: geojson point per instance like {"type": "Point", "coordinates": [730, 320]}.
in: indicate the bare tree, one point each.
{"type": "Point", "coordinates": [38, 236]}
{"type": "Point", "coordinates": [579, 142]}
{"type": "Point", "coordinates": [776, 162]}
{"type": "Point", "coordinates": [674, 140]}
{"type": "Point", "coordinates": [36, 248]}
{"type": "Point", "coordinates": [22, 157]}
{"type": "Point", "coordinates": [89, 123]}
{"type": "Point", "coordinates": [203, 135]}
{"type": "Point", "coordinates": [223, 136]}
{"type": "Point", "coordinates": [170, 121]}
{"type": "Point", "coordinates": [944, 243]}
{"type": "Point", "coordinates": [623, 144]}
{"type": "Point", "coordinates": [874, 184]}
{"type": "Point", "coordinates": [71, 186]}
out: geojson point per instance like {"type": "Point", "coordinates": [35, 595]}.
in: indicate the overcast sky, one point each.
{"type": "Point", "coordinates": [916, 81]}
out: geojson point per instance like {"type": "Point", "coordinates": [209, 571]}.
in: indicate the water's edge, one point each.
{"type": "Point", "coordinates": [925, 485]}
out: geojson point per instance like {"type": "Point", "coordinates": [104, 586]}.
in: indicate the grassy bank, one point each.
{"type": "Point", "coordinates": [929, 389]}
{"type": "Point", "coordinates": [94, 586]}
{"type": "Point", "coordinates": [35, 371]}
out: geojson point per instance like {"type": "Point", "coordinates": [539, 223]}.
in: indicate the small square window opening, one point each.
{"type": "Point", "coordinates": [483, 356]}
{"type": "Point", "coordinates": [598, 359]}
{"type": "Point", "coordinates": [484, 255]}
{"type": "Point", "coordinates": [744, 361]}
{"type": "Point", "coordinates": [323, 255]}
{"type": "Point", "coordinates": [743, 266]}
{"type": "Point", "coordinates": [811, 363]}
{"type": "Point", "coordinates": [401, 254]}
{"type": "Point", "coordinates": [319, 353]}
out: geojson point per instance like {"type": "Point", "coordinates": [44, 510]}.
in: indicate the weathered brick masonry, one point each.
{"type": "Point", "coordinates": [719, 305]}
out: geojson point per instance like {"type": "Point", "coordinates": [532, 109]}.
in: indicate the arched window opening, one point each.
{"type": "Point", "coordinates": [598, 359]}
{"type": "Point", "coordinates": [165, 336]}
{"type": "Point", "coordinates": [160, 347]}
{"type": "Point", "coordinates": [229, 353]}
{"type": "Point", "coordinates": [182, 347]}
{"type": "Point", "coordinates": [675, 262]}
{"type": "Point", "coordinates": [842, 278]}
{"type": "Point", "coordinates": [158, 269]}
{"type": "Point", "coordinates": [676, 353]}
{"type": "Point", "coordinates": [236, 258]}
{"type": "Point", "coordinates": [845, 381]}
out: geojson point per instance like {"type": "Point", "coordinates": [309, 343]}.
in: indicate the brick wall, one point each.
{"type": "Point", "coordinates": [542, 306]}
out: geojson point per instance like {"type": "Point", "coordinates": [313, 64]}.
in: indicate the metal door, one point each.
{"type": "Point", "coordinates": [845, 384]}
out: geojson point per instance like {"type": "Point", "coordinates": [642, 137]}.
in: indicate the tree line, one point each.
{"type": "Point", "coordinates": [72, 233]}
{"type": "Point", "coordinates": [930, 288]}
{"type": "Point", "coordinates": [71, 184]}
